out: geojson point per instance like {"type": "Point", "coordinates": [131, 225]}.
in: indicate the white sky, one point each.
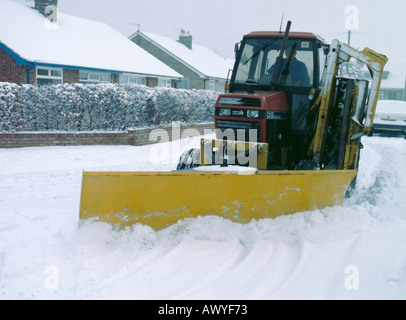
{"type": "Point", "coordinates": [219, 24]}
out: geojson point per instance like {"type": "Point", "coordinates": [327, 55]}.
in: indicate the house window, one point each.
{"type": "Point", "coordinates": [394, 95]}
{"type": "Point", "coordinates": [132, 79]}
{"type": "Point", "coordinates": [163, 82]}
{"type": "Point", "coordinates": [49, 76]}
{"type": "Point", "coordinates": [94, 77]}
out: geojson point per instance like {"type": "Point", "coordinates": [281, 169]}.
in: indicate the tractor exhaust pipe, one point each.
{"type": "Point", "coordinates": [279, 60]}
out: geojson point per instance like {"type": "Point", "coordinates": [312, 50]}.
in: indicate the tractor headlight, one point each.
{"type": "Point", "coordinates": [224, 112]}
{"type": "Point", "coordinates": [253, 113]}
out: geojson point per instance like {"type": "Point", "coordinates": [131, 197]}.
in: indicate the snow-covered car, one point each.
{"type": "Point", "coordinates": [390, 118]}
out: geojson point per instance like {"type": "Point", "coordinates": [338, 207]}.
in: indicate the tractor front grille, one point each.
{"type": "Point", "coordinates": [240, 129]}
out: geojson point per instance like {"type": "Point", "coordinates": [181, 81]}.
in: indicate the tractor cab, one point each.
{"type": "Point", "coordinates": [274, 82]}
{"type": "Point", "coordinates": [304, 56]}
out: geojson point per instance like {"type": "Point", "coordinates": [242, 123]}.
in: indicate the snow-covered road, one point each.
{"type": "Point", "coordinates": [355, 251]}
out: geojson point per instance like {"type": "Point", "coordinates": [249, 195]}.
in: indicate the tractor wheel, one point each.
{"type": "Point", "coordinates": [189, 159]}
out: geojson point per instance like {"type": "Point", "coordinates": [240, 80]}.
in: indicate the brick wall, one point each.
{"type": "Point", "coordinates": [136, 137]}
{"type": "Point", "coordinates": [70, 76]}
{"type": "Point", "coordinates": [152, 82]}
{"type": "Point", "coordinates": [10, 71]}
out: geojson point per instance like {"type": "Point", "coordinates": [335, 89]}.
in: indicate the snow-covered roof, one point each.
{"type": "Point", "coordinates": [73, 41]}
{"type": "Point", "coordinates": [204, 62]}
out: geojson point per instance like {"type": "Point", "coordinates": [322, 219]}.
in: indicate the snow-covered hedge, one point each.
{"type": "Point", "coordinates": [79, 107]}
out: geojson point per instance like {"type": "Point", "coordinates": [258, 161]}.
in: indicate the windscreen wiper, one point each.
{"type": "Point", "coordinates": [261, 49]}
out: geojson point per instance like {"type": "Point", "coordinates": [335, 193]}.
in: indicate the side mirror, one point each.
{"type": "Point", "coordinates": [237, 48]}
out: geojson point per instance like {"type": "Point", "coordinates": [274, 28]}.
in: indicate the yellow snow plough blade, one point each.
{"type": "Point", "coordinates": [159, 199]}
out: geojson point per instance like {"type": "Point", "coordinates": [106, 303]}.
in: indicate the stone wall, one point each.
{"type": "Point", "coordinates": [135, 137]}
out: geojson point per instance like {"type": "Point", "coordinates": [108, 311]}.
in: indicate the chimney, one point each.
{"type": "Point", "coordinates": [186, 39]}
{"type": "Point", "coordinates": [48, 8]}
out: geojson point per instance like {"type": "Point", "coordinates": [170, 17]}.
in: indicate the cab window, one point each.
{"type": "Point", "coordinates": [258, 57]}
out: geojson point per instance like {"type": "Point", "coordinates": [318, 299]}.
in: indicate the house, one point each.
{"type": "Point", "coordinates": [200, 67]}
{"type": "Point", "coordinates": [39, 45]}
{"type": "Point", "coordinates": [393, 83]}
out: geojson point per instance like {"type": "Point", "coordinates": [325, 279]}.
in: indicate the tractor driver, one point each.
{"type": "Point", "coordinates": [297, 71]}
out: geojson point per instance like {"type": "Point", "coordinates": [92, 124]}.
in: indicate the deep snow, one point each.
{"type": "Point", "coordinates": [354, 251]}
